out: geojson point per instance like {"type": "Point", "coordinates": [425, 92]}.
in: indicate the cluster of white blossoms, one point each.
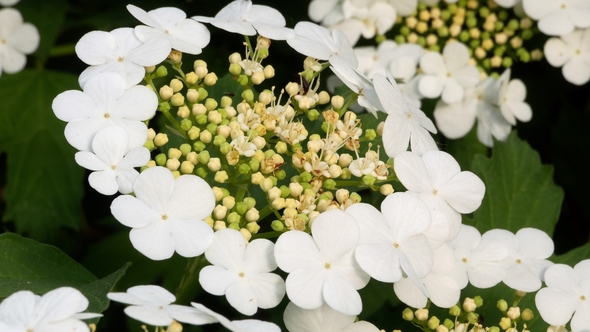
{"type": "Point", "coordinates": [17, 39]}
{"type": "Point", "coordinates": [330, 244]}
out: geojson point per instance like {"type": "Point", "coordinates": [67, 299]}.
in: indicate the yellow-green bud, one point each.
{"type": "Point", "coordinates": [449, 324]}
{"type": "Point", "coordinates": [513, 313]}
{"type": "Point", "coordinates": [225, 148]}
{"type": "Point", "coordinates": [172, 164]}
{"type": "Point", "coordinates": [234, 226]}
{"type": "Point", "coordinates": [177, 99]}
{"type": "Point", "coordinates": [206, 136]}
{"type": "Point", "coordinates": [269, 72]}
{"type": "Point", "coordinates": [368, 180]}
{"type": "Point", "coordinates": [527, 314]}
{"type": "Point", "coordinates": [454, 311]}
{"type": "Point", "coordinates": [176, 85]}
{"type": "Point", "coordinates": [210, 79]}
{"type": "Point", "coordinates": [226, 102]}
{"type": "Point", "coordinates": [219, 224]}
{"type": "Point", "coordinates": [161, 71]}
{"type": "Point", "coordinates": [221, 176]}
{"type": "Point", "coordinates": [433, 322]}
{"type": "Point", "coordinates": [210, 104]}
{"type": "Point", "coordinates": [202, 172]}
{"type": "Point", "coordinates": [204, 157]}
{"type": "Point", "coordinates": [191, 78]}
{"type": "Point", "coordinates": [199, 146]}
{"type": "Point", "coordinates": [174, 153]}
{"type": "Point", "coordinates": [408, 314]}
{"type": "Point", "coordinates": [265, 184]}
{"type": "Point", "coordinates": [494, 329]}
{"type": "Point", "coordinates": [277, 225]}
{"type": "Point", "coordinates": [161, 139]}
{"type": "Point", "coordinates": [386, 189]}
{"type": "Point", "coordinates": [149, 145]}
{"type": "Point", "coordinates": [505, 323]}
{"type": "Point", "coordinates": [202, 93]}
{"type": "Point", "coordinates": [160, 159]}
{"type": "Point", "coordinates": [253, 227]}
{"type": "Point", "coordinates": [192, 157]}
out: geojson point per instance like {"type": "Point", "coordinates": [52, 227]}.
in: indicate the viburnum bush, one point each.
{"type": "Point", "coordinates": [366, 176]}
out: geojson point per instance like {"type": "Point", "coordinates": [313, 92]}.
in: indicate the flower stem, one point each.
{"type": "Point", "coordinates": [189, 286]}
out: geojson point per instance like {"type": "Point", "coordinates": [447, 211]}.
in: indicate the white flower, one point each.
{"type": "Point", "coordinates": [241, 272]}
{"type": "Point", "coordinates": [512, 96]}
{"type": "Point", "coordinates": [323, 319]}
{"type": "Point", "coordinates": [478, 260]}
{"type": "Point", "coordinates": [8, 2]}
{"type": "Point", "coordinates": [404, 7]}
{"type": "Point", "coordinates": [567, 293]}
{"type": "Point", "coordinates": [404, 60]}
{"type": "Point", "coordinates": [113, 164]}
{"type": "Point", "coordinates": [528, 251]}
{"type": "Point", "coordinates": [447, 75]}
{"type": "Point", "coordinates": [391, 241]}
{"type": "Point", "coordinates": [405, 124]}
{"type": "Point", "coordinates": [246, 325]}
{"type": "Point", "coordinates": [241, 16]}
{"type": "Point", "coordinates": [358, 83]}
{"type": "Point", "coordinates": [321, 267]}
{"type": "Point", "coordinates": [572, 51]}
{"type": "Point", "coordinates": [558, 17]}
{"type": "Point", "coordinates": [373, 59]}
{"type": "Point", "coordinates": [444, 290]}
{"type": "Point", "coordinates": [320, 9]}
{"type": "Point", "coordinates": [105, 102]}
{"type": "Point", "coordinates": [243, 144]}
{"type": "Point", "coordinates": [119, 51]}
{"type": "Point", "coordinates": [16, 40]}
{"type": "Point", "coordinates": [320, 43]}
{"type": "Point", "coordinates": [57, 310]}
{"type": "Point", "coordinates": [167, 214]}
{"type": "Point", "coordinates": [185, 35]}
{"type": "Point", "coordinates": [152, 305]}
{"type": "Point", "coordinates": [436, 179]}
{"type": "Point", "coordinates": [508, 3]}
{"type": "Point", "coordinates": [365, 19]}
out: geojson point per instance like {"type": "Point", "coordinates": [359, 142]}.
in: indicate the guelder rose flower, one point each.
{"type": "Point", "coordinates": [572, 51]}
{"type": "Point", "coordinates": [112, 162]}
{"type": "Point", "coordinates": [16, 40]}
{"type": "Point", "coordinates": [512, 96]}
{"type": "Point", "coordinates": [57, 310]}
{"type": "Point", "coordinates": [119, 51]}
{"type": "Point", "coordinates": [241, 16]}
{"type": "Point", "coordinates": [321, 267]}
{"type": "Point", "coordinates": [405, 124]}
{"type": "Point", "coordinates": [447, 75]}
{"type": "Point", "coordinates": [320, 43]}
{"type": "Point", "coordinates": [365, 19]}
{"type": "Point", "coordinates": [569, 291]}
{"type": "Point", "coordinates": [323, 319]}
{"type": "Point", "coordinates": [558, 17]}
{"type": "Point", "coordinates": [528, 251]}
{"type": "Point", "coordinates": [401, 222]}
{"type": "Point", "coordinates": [241, 272]}
{"type": "Point", "coordinates": [105, 102]}
{"type": "Point", "coordinates": [152, 305]}
{"type": "Point", "coordinates": [185, 35]}
{"type": "Point", "coordinates": [167, 214]}
{"type": "Point", "coordinates": [246, 325]}
{"type": "Point", "coordinates": [436, 179]}
{"type": "Point", "coordinates": [358, 83]}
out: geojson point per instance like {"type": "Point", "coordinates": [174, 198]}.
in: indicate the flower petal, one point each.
{"type": "Point", "coordinates": [154, 241]}
{"type": "Point", "coordinates": [341, 296]}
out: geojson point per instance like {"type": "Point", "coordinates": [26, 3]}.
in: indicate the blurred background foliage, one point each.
{"type": "Point", "coordinates": [45, 196]}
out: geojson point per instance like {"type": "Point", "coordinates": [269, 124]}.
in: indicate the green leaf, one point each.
{"type": "Point", "coordinates": [574, 256]}
{"type": "Point", "coordinates": [29, 265]}
{"type": "Point", "coordinates": [463, 149]}
{"type": "Point", "coordinates": [45, 185]}
{"type": "Point", "coordinates": [520, 191]}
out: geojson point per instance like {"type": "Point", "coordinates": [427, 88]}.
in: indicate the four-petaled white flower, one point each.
{"type": "Point", "coordinates": [391, 242]}
{"type": "Point", "coordinates": [478, 260]}
{"type": "Point", "coordinates": [241, 272]}
{"type": "Point", "coordinates": [105, 102]}
{"type": "Point", "coordinates": [113, 164]}
{"type": "Point", "coordinates": [567, 293]}
{"type": "Point", "coordinates": [447, 75]}
{"type": "Point", "coordinates": [405, 124]}
{"type": "Point", "coordinates": [321, 267]}
{"type": "Point", "coordinates": [572, 51]}
{"type": "Point", "coordinates": [152, 305]}
{"type": "Point", "coordinates": [320, 43]}
{"type": "Point", "coordinates": [121, 52]}
{"type": "Point", "coordinates": [436, 179]}
{"type": "Point", "coordinates": [241, 16]}
{"type": "Point", "coordinates": [246, 325]}
{"type": "Point", "coordinates": [528, 251]}
{"type": "Point", "coordinates": [366, 19]}
{"type": "Point", "coordinates": [358, 83]}
{"type": "Point", "coordinates": [185, 35]}
{"type": "Point", "coordinates": [16, 40]}
{"type": "Point", "coordinates": [167, 214]}
{"type": "Point", "coordinates": [558, 17]}
{"type": "Point", "coordinates": [323, 319]}
{"type": "Point", "coordinates": [512, 96]}
{"type": "Point", "coordinates": [57, 310]}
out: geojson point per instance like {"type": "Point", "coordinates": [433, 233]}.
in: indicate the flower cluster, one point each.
{"type": "Point", "coordinates": [222, 177]}
{"type": "Point", "coordinates": [17, 39]}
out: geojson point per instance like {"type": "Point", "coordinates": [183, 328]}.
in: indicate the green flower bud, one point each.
{"type": "Point", "coordinates": [474, 43]}
{"type": "Point", "coordinates": [149, 145]}
{"type": "Point", "coordinates": [443, 31]}
{"type": "Point", "coordinates": [234, 226]}
{"type": "Point", "coordinates": [201, 171]}
{"type": "Point", "coordinates": [505, 323]}
{"type": "Point", "coordinates": [502, 15]}
{"type": "Point", "coordinates": [244, 169]}
{"type": "Point", "coordinates": [486, 63]}
{"type": "Point", "coordinates": [210, 104]}
{"type": "Point", "coordinates": [325, 127]}
{"type": "Point", "coordinates": [499, 50]}
{"type": "Point", "coordinates": [277, 225]}
{"type": "Point", "coordinates": [433, 322]}
{"type": "Point", "coordinates": [499, 26]}
{"type": "Point", "coordinates": [225, 148]}
{"type": "Point", "coordinates": [161, 159]}
{"type": "Point", "coordinates": [280, 174]}
{"type": "Point", "coordinates": [346, 174]}
{"type": "Point", "coordinates": [306, 185]}
{"type": "Point", "coordinates": [248, 95]}
{"type": "Point", "coordinates": [285, 191]}
{"type": "Point", "coordinates": [525, 56]}
{"type": "Point", "coordinates": [464, 36]}
{"type": "Point", "coordinates": [472, 317]}
{"type": "Point", "coordinates": [250, 202]}
{"type": "Point", "coordinates": [404, 30]}
{"type": "Point", "coordinates": [234, 217]}
{"type": "Point", "coordinates": [305, 176]}
{"type": "Point", "coordinates": [454, 310]}
{"type": "Point", "coordinates": [445, 15]}
{"type": "Point", "coordinates": [449, 324]}
{"type": "Point", "coordinates": [186, 124]}
{"type": "Point", "coordinates": [527, 314]}
{"type": "Point", "coordinates": [484, 12]}
{"type": "Point", "coordinates": [212, 127]}
{"type": "Point", "coordinates": [241, 208]}
{"type": "Point", "coordinates": [329, 184]}
{"type": "Point", "coordinates": [254, 165]}
{"type": "Point", "coordinates": [471, 22]}
{"type": "Point", "coordinates": [370, 134]}
{"type": "Point", "coordinates": [355, 197]}
{"type": "Point", "coordinates": [218, 140]}
{"type": "Point", "coordinates": [422, 41]}
{"type": "Point", "coordinates": [400, 39]}
{"type": "Point", "coordinates": [202, 94]}
{"type": "Point", "coordinates": [204, 157]}
{"type": "Point", "coordinates": [494, 329]}
{"type": "Point", "coordinates": [253, 227]}
{"type": "Point", "coordinates": [164, 107]}
{"type": "Point", "coordinates": [185, 149]}
{"type": "Point", "coordinates": [313, 114]}
{"type": "Point", "coordinates": [368, 180]}
{"type": "Point", "coordinates": [198, 146]}
{"type": "Point", "coordinates": [161, 71]}
{"type": "Point", "coordinates": [478, 301]}
{"type": "Point", "coordinates": [507, 62]}
{"type": "Point", "coordinates": [243, 80]}
{"type": "Point", "coordinates": [235, 69]}
{"type": "Point", "coordinates": [526, 34]}
{"type": "Point", "coordinates": [434, 48]}
{"type": "Point", "coordinates": [513, 24]}
{"type": "Point", "coordinates": [408, 314]}
{"type": "Point", "coordinates": [201, 119]}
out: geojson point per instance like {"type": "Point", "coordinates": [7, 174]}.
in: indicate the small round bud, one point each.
{"type": "Point", "coordinates": [175, 56]}
{"type": "Point", "coordinates": [442, 328]}
{"type": "Point", "coordinates": [505, 323]}
{"type": "Point", "coordinates": [219, 224]}
{"type": "Point", "coordinates": [433, 322]}
{"type": "Point", "coordinates": [469, 305]}
{"type": "Point", "coordinates": [161, 71]}
{"type": "Point", "coordinates": [176, 85]}
{"type": "Point", "coordinates": [235, 58]}
{"type": "Point", "coordinates": [386, 189]}
{"type": "Point", "coordinates": [513, 313]}
{"type": "Point", "coordinates": [292, 88]}
{"type": "Point", "coordinates": [172, 164]}
{"type": "Point", "coordinates": [421, 314]}
{"type": "Point", "coordinates": [265, 184]}
{"type": "Point", "coordinates": [252, 215]}
{"type": "Point", "coordinates": [246, 234]}
{"type": "Point", "coordinates": [161, 139]}
{"type": "Point", "coordinates": [235, 69]}
{"type": "Point", "coordinates": [192, 95]}
{"type": "Point", "coordinates": [478, 301]}
{"type": "Point", "coordinates": [166, 92]}
{"type": "Point", "coordinates": [210, 79]}
{"type": "Point", "coordinates": [408, 315]}
{"type": "Point", "coordinates": [150, 69]}
{"type": "Point", "coordinates": [454, 311]}
{"type": "Point", "coordinates": [277, 226]}
{"type": "Point", "coordinates": [253, 227]}
{"type": "Point", "coordinates": [221, 176]}
{"type": "Point", "coordinates": [324, 97]}
{"type": "Point", "coordinates": [201, 71]}
{"type": "Point", "coordinates": [177, 99]}
{"type": "Point", "coordinates": [206, 136]}
{"type": "Point", "coordinates": [269, 72]}
{"type": "Point", "coordinates": [258, 77]}
{"type": "Point", "coordinates": [183, 112]}
{"type": "Point", "coordinates": [527, 314]}
{"type": "Point", "coordinates": [214, 164]}
{"type": "Point", "coordinates": [191, 78]}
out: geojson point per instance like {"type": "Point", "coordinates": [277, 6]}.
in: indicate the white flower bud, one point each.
{"type": "Point", "coordinates": [257, 178]}
{"type": "Point", "coordinates": [274, 193]}
{"type": "Point", "coordinates": [421, 314]}
{"type": "Point", "coordinates": [278, 203]}
{"type": "Point", "coordinates": [214, 164]}
{"type": "Point", "coordinates": [219, 224]}
{"type": "Point", "coordinates": [265, 184]}
{"type": "Point", "coordinates": [290, 212]}
{"type": "Point", "coordinates": [219, 212]}
{"type": "Point", "coordinates": [337, 102]}
{"type": "Point", "coordinates": [176, 85]}
{"type": "Point", "coordinates": [342, 195]}
{"type": "Point", "coordinates": [183, 112]}
{"type": "Point", "coordinates": [290, 203]}
{"type": "Point", "coordinates": [199, 109]}
{"type": "Point", "coordinates": [258, 78]}
{"type": "Point", "coordinates": [235, 57]}
{"type": "Point", "coordinates": [166, 92]}
{"type": "Point", "coordinates": [186, 167]}
{"type": "Point", "coordinates": [231, 112]}
{"type": "Point", "coordinates": [206, 136]}
{"type": "Point", "coordinates": [335, 171]}
{"type": "Point", "coordinates": [246, 233]}
{"type": "Point", "coordinates": [292, 88]}
{"type": "Point", "coordinates": [259, 141]}
{"type": "Point", "coordinates": [221, 176]}
{"type": "Point", "coordinates": [224, 131]}
{"type": "Point", "coordinates": [210, 79]}
{"type": "Point", "coordinates": [324, 98]}
{"type": "Point", "coordinates": [214, 117]}
{"type": "Point", "coordinates": [151, 134]}
{"type": "Point", "coordinates": [177, 99]}
{"type": "Point", "coordinates": [296, 189]}
{"type": "Point", "coordinates": [269, 72]}
{"type": "Point", "coordinates": [265, 97]}
{"type": "Point", "coordinates": [161, 139]}
{"type": "Point", "coordinates": [513, 313]}
{"type": "Point", "coordinates": [172, 164]}
{"type": "Point", "coordinates": [229, 202]}
{"type": "Point", "coordinates": [253, 227]}
{"type": "Point", "coordinates": [344, 160]}
{"type": "Point", "coordinates": [192, 95]}
{"type": "Point", "coordinates": [191, 78]}
{"type": "Point", "coordinates": [386, 189]}
{"type": "Point", "coordinates": [469, 305]}
{"type": "Point", "coordinates": [252, 215]}
{"type": "Point", "coordinates": [192, 157]}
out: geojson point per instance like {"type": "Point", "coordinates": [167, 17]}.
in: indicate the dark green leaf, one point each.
{"type": "Point", "coordinates": [44, 188]}
{"type": "Point", "coordinates": [574, 256]}
{"type": "Point", "coordinates": [465, 148]}
{"type": "Point", "coordinates": [96, 291]}
{"type": "Point", "coordinates": [520, 191]}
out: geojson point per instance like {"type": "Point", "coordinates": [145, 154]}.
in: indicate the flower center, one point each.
{"type": "Point", "coordinates": [396, 245]}
{"type": "Point", "coordinates": [107, 115]}
{"type": "Point", "coordinates": [3, 41]}
{"type": "Point", "coordinates": [518, 261]}
{"type": "Point", "coordinates": [327, 266]}
{"type": "Point", "coordinates": [578, 52]}
{"type": "Point", "coordinates": [164, 217]}
{"type": "Point", "coordinates": [113, 167]}
{"type": "Point", "coordinates": [120, 59]}
{"type": "Point", "coordinates": [583, 297]}
{"type": "Point", "coordinates": [563, 6]}
{"type": "Point", "coordinates": [241, 274]}
{"type": "Point", "coordinates": [464, 260]}
{"type": "Point", "coordinates": [434, 191]}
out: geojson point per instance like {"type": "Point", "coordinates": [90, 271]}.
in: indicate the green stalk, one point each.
{"type": "Point", "coordinates": [189, 286]}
